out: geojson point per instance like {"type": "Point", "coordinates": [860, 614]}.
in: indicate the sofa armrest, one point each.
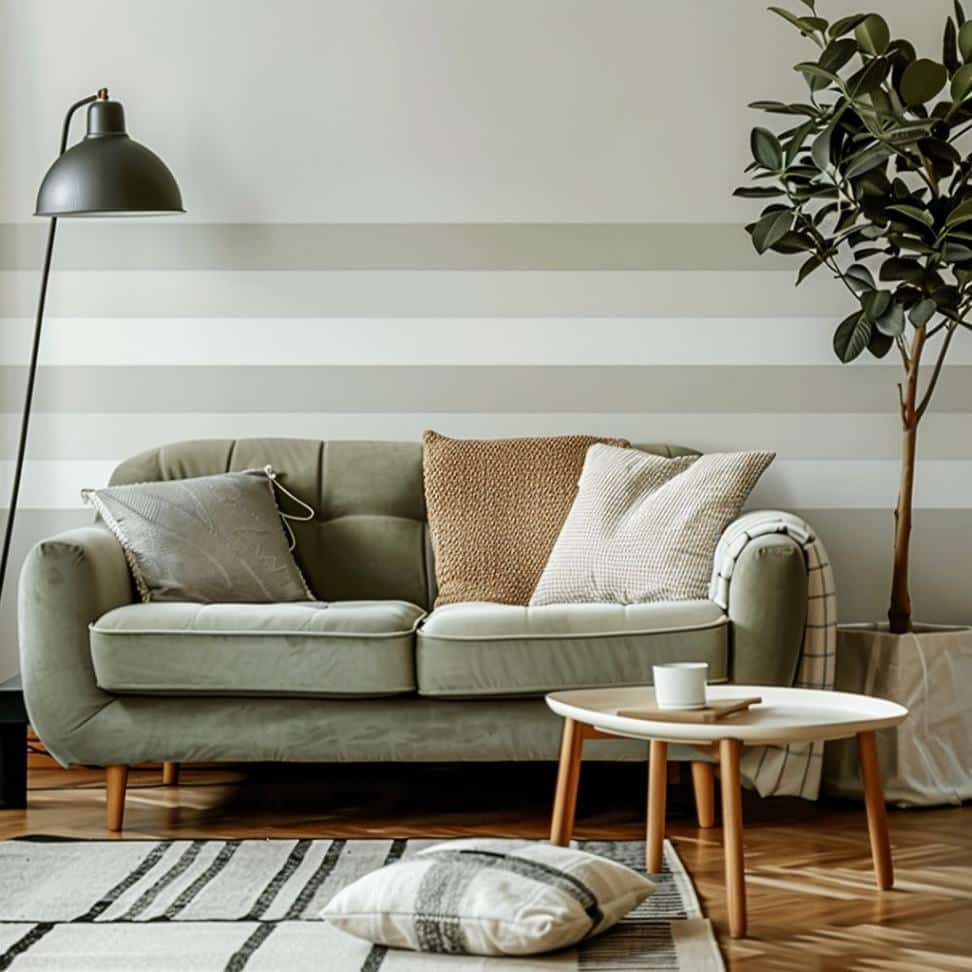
{"type": "Point", "coordinates": [66, 583]}
{"type": "Point", "coordinates": [767, 608]}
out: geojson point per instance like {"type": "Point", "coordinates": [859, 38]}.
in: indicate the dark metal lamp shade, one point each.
{"type": "Point", "coordinates": [107, 174]}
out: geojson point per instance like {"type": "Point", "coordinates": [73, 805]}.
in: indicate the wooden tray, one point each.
{"type": "Point", "coordinates": [713, 712]}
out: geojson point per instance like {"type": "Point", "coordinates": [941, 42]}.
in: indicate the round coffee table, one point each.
{"type": "Point", "coordinates": [786, 715]}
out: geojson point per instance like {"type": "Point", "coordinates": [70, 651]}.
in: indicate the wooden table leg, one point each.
{"type": "Point", "coordinates": [657, 785]}
{"type": "Point", "coordinates": [877, 820]}
{"type": "Point", "coordinates": [568, 778]}
{"type": "Point", "coordinates": [703, 782]}
{"type": "Point", "coordinates": [170, 774]}
{"type": "Point", "coordinates": [732, 835]}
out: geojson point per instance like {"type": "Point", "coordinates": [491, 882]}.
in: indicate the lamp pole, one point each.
{"type": "Point", "coordinates": [106, 174]}
{"type": "Point", "coordinates": [35, 349]}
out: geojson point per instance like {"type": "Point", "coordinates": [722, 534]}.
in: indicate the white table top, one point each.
{"type": "Point", "coordinates": [785, 715]}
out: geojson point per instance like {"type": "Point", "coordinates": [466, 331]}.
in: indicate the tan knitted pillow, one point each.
{"type": "Point", "coordinates": [495, 508]}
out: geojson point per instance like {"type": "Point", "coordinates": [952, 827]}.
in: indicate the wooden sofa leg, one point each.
{"type": "Point", "coordinates": [116, 779]}
{"type": "Point", "coordinates": [170, 774]}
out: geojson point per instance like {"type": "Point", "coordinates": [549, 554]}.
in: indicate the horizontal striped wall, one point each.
{"type": "Point", "coordinates": [657, 332]}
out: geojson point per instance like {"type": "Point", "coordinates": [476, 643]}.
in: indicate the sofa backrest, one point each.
{"type": "Point", "coordinates": [369, 538]}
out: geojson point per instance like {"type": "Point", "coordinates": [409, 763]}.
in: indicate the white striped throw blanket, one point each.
{"type": "Point", "coordinates": [792, 770]}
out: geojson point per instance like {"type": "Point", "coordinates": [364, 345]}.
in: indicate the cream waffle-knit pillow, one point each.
{"type": "Point", "coordinates": [645, 528]}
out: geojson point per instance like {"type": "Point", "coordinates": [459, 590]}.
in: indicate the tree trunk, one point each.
{"type": "Point", "coordinates": [899, 615]}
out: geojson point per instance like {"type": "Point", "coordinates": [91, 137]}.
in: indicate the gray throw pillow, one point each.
{"type": "Point", "coordinates": [645, 528]}
{"type": "Point", "coordinates": [210, 539]}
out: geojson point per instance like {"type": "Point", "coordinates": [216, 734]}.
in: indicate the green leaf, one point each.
{"type": "Point", "coordinates": [869, 78]}
{"type": "Point", "coordinates": [923, 312]}
{"type": "Point", "coordinates": [873, 34]}
{"type": "Point", "coordinates": [793, 242]}
{"type": "Point", "coordinates": [902, 268]}
{"type": "Point", "coordinates": [796, 141]}
{"type": "Point", "coordinates": [867, 232]}
{"type": "Point", "coordinates": [922, 80]}
{"type": "Point", "coordinates": [837, 53]}
{"type": "Point", "coordinates": [956, 252]}
{"type": "Point", "coordinates": [807, 268]}
{"type": "Point", "coordinates": [914, 213]}
{"type": "Point", "coordinates": [845, 25]}
{"type": "Point", "coordinates": [859, 279]}
{"type": "Point", "coordinates": [779, 108]}
{"type": "Point", "coordinates": [869, 159]}
{"type": "Point", "coordinates": [961, 84]}
{"type": "Point", "coordinates": [959, 13]}
{"type": "Point", "coordinates": [766, 149]}
{"type": "Point", "coordinates": [892, 321]}
{"type": "Point", "coordinates": [914, 245]}
{"type": "Point", "coordinates": [950, 56]}
{"type": "Point", "coordinates": [771, 229]}
{"type": "Point", "coordinates": [814, 73]}
{"type": "Point", "coordinates": [757, 192]}
{"type": "Point", "coordinates": [820, 150]}
{"type": "Point", "coordinates": [852, 336]}
{"type": "Point", "coordinates": [960, 214]}
{"type": "Point", "coordinates": [806, 25]}
{"type": "Point", "coordinates": [965, 41]}
{"type": "Point", "coordinates": [937, 149]}
{"type": "Point", "coordinates": [880, 344]}
{"type": "Point", "coordinates": [876, 304]}
{"type": "Point", "coordinates": [946, 296]}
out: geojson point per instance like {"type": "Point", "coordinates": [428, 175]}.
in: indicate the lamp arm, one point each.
{"type": "Point", "coordinates": [32, 369]}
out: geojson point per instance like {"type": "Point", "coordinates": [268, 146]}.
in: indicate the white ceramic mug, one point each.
{"type": "Point", "coordinates": [680, 685]}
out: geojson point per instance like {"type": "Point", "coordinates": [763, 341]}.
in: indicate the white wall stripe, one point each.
{"type": "Point", "coordinates": [97, 435]}
{"type": "Point", "coordinates": [422, 293]}
{"type": "Point", "coordinates": [788, 483]}
{"type": "Point", "coordinates": [212, 341]}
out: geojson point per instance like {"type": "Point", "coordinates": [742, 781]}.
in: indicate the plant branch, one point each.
{"type": "Point", "coordinates": [936, 372]}
{"type": "Point", "coordinates": [903, 352]}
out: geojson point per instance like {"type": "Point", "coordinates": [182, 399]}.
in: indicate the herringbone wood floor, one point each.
{"type": "Point", "coordinates": [811, 896]}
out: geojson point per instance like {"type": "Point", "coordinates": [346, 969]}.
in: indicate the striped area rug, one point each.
{"type": "Point", "coordinates": [231, 905]}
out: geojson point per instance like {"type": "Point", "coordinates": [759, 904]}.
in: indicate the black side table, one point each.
{"type": "Point", "coordinates": [13, 745]}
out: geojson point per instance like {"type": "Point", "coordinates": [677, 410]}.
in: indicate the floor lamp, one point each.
{"type": "Point", "coordinates": [105, 174]}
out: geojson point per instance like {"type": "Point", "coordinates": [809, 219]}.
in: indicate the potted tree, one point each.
{"type": "Point", "coordinates": [869, 180]}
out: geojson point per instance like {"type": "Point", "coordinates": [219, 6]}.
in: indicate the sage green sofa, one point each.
{"type": "Point", "coordinates": [373, 672]}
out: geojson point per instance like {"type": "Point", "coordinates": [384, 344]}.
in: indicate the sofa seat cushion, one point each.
{"type": "Point", "coordinates": [479, 649]}
{"type": "Point", "coordinates": [336, 649]}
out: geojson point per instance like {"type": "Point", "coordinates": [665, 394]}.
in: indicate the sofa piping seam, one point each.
{"type": "Point", "coordinates": [709, 625]}
{"type": "Point", "coordinates": [267, 633]}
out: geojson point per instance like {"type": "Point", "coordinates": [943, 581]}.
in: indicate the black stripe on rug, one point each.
{"type": "Point", "coordinates": [25, 943]}
{"type": "Point", "coordinates": [315, 881]}
{"type": "Point", "coordinates": [294, 858]}
{"type": "Point", "coordinates": [185, 897]}
{"type": "Point", "coordinates": [244, 953]}
{"type": "Point", "coordinates": [186, 860]}
{"type": "Point", "coordinates": [148, 862]}
{"type": "Point", "coordinates": [377, 954]}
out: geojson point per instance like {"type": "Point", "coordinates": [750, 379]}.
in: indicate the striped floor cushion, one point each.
{"type": "Point", "coordinates": [489, 897]}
